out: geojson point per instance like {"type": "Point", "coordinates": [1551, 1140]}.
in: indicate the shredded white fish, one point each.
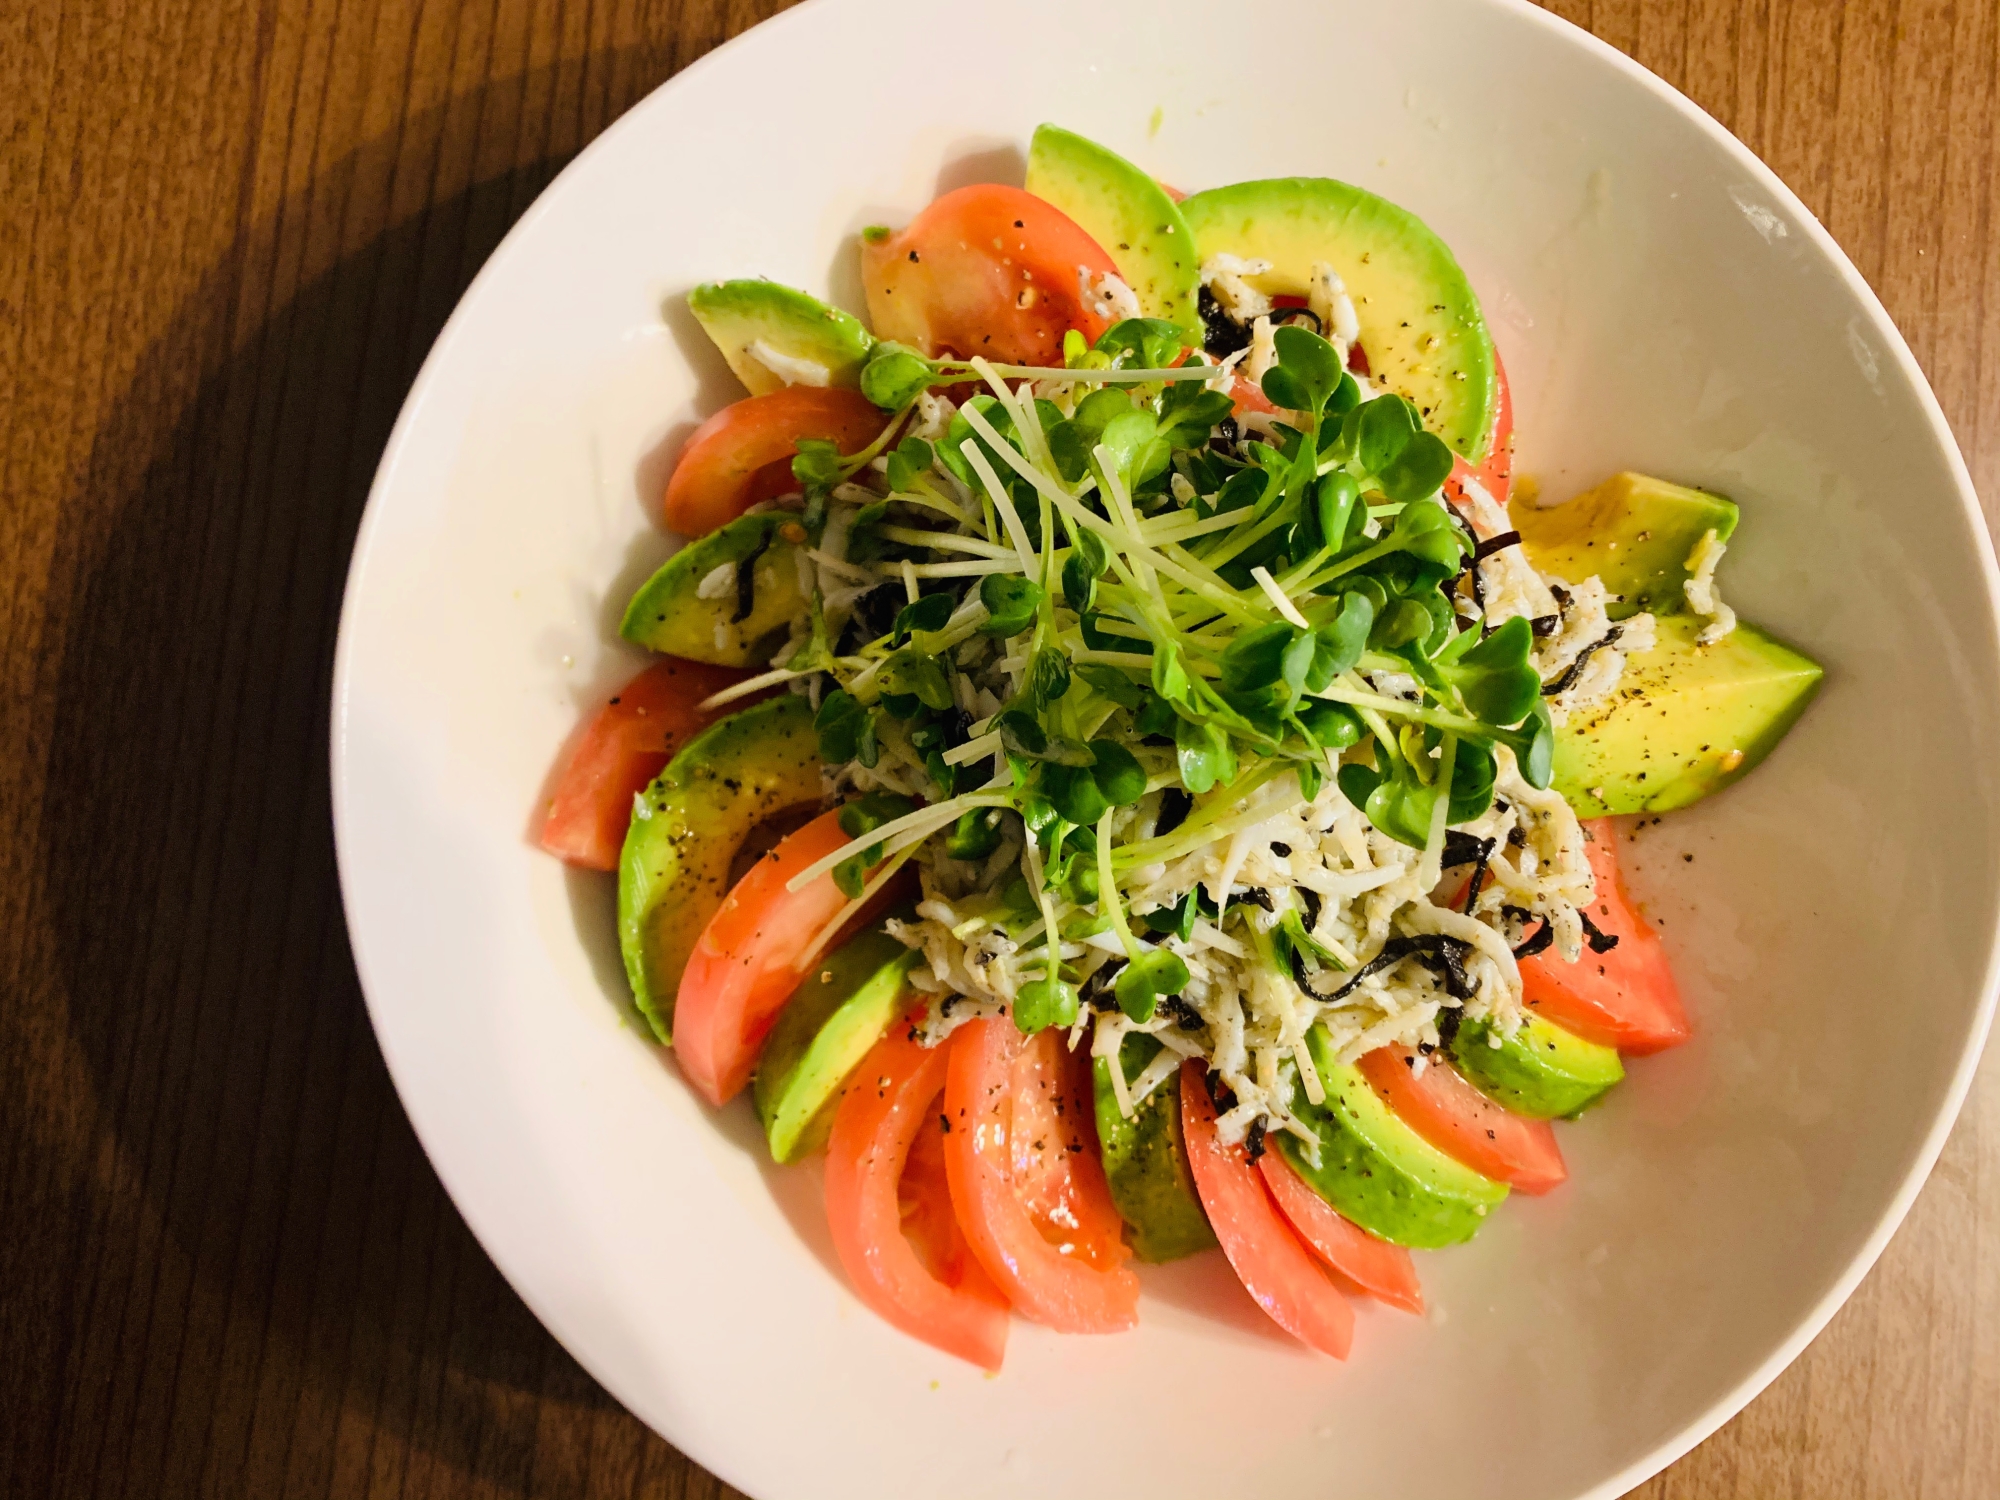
{"type": "Point", "coordinates": [1327, 299]}
{"type": "Point", "coordinates": [1702, 595]}
{"type": "Point", "coordinates": [1225, 276]}
{"type": "Point", "coordinates": [1107, 296]}
{"type": "Point", "coordinates": [790, 368]}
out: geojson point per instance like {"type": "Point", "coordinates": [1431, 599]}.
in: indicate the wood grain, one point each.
{"type": "Point", "coordinates": [230, 231]}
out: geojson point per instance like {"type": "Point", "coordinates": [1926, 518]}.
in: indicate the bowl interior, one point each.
{"type": "Point", "coordinates": [1662, 305]}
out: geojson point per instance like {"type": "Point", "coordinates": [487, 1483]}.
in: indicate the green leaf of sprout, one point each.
{"type": "Point", "coordinates": [1255, 659]}
{"type": "Point", "coordinates": [894, 375]}
{"type": "Point", "coordinates": [1495, 679]}
{"type": "Point", "coordinates": [1142, 343]}
{"type": "Point", "coordinates": [817, 464]}
{"type": "Point", "coordinates": [1042, 1003]}
{"type": "Point", "coordinates": [1203, 754]}
{"type": "Point", "coordinates": [908, 461]}
{"type": "Point", "coordinates": [1113, 684]}
{"type": "Point", "coordinates": [975, 835]}
{"type": "Point", "coordinates": [1011, 603]}
{"type": "Point", "coordinates": [1117, 772]}
{"type": "Point", "coordinates": [862, 817]}
{"type": "Point", "coordinates": [1147, 979]}
{"type": "Point", "coordinates": [1419, 471]}
{"type": "Point", "coordinates": [1386, 426]}
{"type": "Point", "coordinates": [920, 676]}
{"type": "Point", "coordinates": [930, 612]}
{"type": "Point", "coordinates": [1472, 774]}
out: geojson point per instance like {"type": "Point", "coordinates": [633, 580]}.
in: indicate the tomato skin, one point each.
{"type": "Point", "coordinates": [1358, 1260]}
{"type": "Point", "coordinates": [985, 270]}
{"type": "Point", "coordinates": [622, 747]}
{"type": "Point", "coordinates": [1027, 1181]}
{"type": "Point", "coordinates": [743, 453]}
{"type": "Point", "coordinates": [1625, 998]}
{"type": "Point", "coordinates": [1267, 1256]}
{"type": "Point", "coordinates": [1249, 398]}
{"type": "Point", "coordinates": [1464, 1124]}
{"type": "Point", "coordinates": [889, 1207]}
{"type": "Point", "coordinates": [746, 964]}
{"type": "Point", "coordinates": [1496, 472]}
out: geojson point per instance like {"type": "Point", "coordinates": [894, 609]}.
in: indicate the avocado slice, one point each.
{"type": "Point", "coordinates": [1685, 721]}
{"type": "Point", "coordinates": [788, 324]}
{"type": "Point", "coordinates": [1376, 1170]}
{"type": "Point", "coordinates": [1421, 327]}
{"type": "Point", "coordinates": [1127, 213]}
{"type": "Point", "coordinates": [1633, 531]}
{"type": "Point", "coordinates": [822, 1034]}
{"type": "Point", "coordinates": [674, 869]}
{"type": "Point", "coordinates": [1541, 1071]}
{"type": "Point", "coordinates": [669, 614]}
{"type": "Point", "coordinates": [1145, 1160]}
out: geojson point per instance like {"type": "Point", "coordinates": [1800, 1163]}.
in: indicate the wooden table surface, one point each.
{"type": "Point", "coordinates": [231, 229]}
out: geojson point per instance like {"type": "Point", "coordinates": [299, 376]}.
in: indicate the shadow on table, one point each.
{"type": "Point", "coordinates": [271, 1287]}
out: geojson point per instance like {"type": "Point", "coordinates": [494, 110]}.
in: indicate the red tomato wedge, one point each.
{"type": "Point", "coordinates": [1496, 473]}
{"type": "Point", "coordinates": [985, 270]}
{"type": "Point", "coordinates": [743, 454]}
{"type": "Point", "coordinates": [624, 746]}
{"type": "Point", "coordinates": [1375, 1267]}
{"type": "Point", "coordinates": [747, 962]}
{"type": "Point", "coordinates": [1027, 1181]}
{"type": "Point", "coordinates": [1274, 1267]}
{"type": "Point", "coordinates": [1463, 1123]}
{"type": "Point", "coordinates": [1250, 398]}
{"type": "Point", "coordinates": [889, 1207]}
{"type": "Point", "coordinates": [1624, 998]}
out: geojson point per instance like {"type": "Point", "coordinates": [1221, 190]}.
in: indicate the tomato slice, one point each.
{"type": "Point", "coordinates": [1274, 1267]}
{"type": "Point", "coordinates": [746, 964]}
{"type": "Point", "coordinates": [889, 1207]}
{"type": "Point", "coordinates": [1496, 473]}
{"type": "Point", "coordinates": [623, 746]}
{"type": "Point", "coordinates": [743, 454]}
{"type": "Point", "coordinates": [1249, 398]}
{"type": "Point", "coordinates": [1463, 1123]}
{"type": "Point", "coordinates": [1357, 1259]}
{"type": "Point", "coordinates": [1625, 997]}
{"type": "Point", "coordinates": [985, 270]}
{"type": "Point", "coordinates": [1027, 1182]}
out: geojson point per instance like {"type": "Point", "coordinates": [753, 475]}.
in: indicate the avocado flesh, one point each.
{"type": "Point", "coordinates": [1421, 327]}
{"type": "Point", "coordinates": [668, 613]}
{"type": "Point", "coordinates": [1376, 1170]}
{"type": "Point", "coordinates": [1632, 531]}
{"type": "Point", "coordinates": [1145, 1160]}
{"type": "Point", "coordinates": [674, 869]}
{"type": "Point", "coordinates": [1128, 214]}
{"type": "Point", "coordinates": [1541, 1071]}
{"type": "Point", "coordinates": [1686, 720]}
{"type": "Point", "coordinates": [739, 315]}
{"type": "Point", "coordinates": [824, 1031]}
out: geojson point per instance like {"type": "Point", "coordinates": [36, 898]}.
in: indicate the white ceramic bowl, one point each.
{"type": "Point", "coordinates": [1663, 303]}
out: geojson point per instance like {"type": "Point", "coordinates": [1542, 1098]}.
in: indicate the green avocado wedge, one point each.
{"type": "Point", "coordinates": [1128, 214]}
{"type": "Point", "coordinates": [674, 869]}
{"type": "Point", "coordinates": [1632, 531]}
{"type": "Point", "coordinates": [1376, 1170]}
{"type": "Point", "coordinates": [737, 627]}
{"type": "Point", "coordinates": [1541, 1071]}
{"type": "Point", "coordinates": [1145, 1160]}
{"type": "Point", "coordinates": [1686, 720]}
{"type": "Point", "coordinates": [752, 318]}
{"type": "Point", "coordinates": [1421, 328]}
{"type": "Point", "coordinates": [824, 1031]}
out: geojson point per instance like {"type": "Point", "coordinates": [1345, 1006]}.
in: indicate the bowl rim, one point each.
{"type": "Point", "coordinates": [1562, 33]}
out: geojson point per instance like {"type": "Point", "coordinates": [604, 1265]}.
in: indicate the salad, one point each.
{"type": "Point", "coordinates": [1129, 769]}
